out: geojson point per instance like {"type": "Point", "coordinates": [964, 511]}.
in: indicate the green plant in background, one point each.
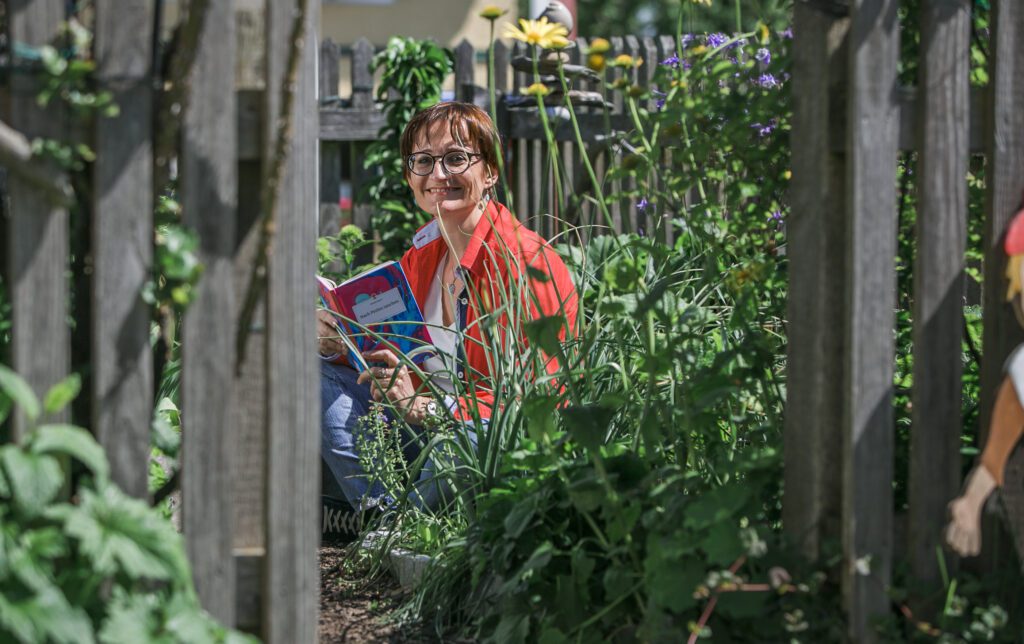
{"type": "Point", "coordinates": [99, 567]}
{"type": "Point", "coordinates": [412, 73]}
{"type": "Point", "coordinates": [336, 254]}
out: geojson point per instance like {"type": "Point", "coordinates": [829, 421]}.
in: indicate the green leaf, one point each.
{"type": "Point", "coordinates": [520, 517]}
{"type": "Point", "coordinates": [46, 616]}
{"type": "Point", "coordinates": [588, 424]}
{"type": "Point", "coordinates": [722, 543]}
{"type": "Point", "coordinates": [15, 387]}
{"type": "Point", "coordinates": [713, 506]}
{"type": "Point", "coordinates": [72, 441]}
{"type": "Point", "coordinates": [62, 393]}
{"type": "Point", "coordinates": [34, 479]}
{"type": "Point", "coordinates": [121, 534]}
{"type": "Point", "coordinates": [671, 583]}
{"type": "Point", "coordinates": [131, 618]}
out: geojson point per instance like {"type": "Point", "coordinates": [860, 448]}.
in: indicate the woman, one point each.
{"type": "Point", "coordinates": [461, 267]}
{"type": "Point", "coordinates": [1006, 424]}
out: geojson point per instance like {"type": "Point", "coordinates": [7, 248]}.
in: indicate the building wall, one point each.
{"type": "Point", "coordinates": [446, 21]}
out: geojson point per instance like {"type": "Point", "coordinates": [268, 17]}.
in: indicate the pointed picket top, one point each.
{"type": "Point", "coordinates": [362, 74]}
{"type": "Point", "coordinates": [465, 62]}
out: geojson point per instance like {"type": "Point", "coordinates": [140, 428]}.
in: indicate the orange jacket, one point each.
{"type": "Point", "coordinates": [500, 251]}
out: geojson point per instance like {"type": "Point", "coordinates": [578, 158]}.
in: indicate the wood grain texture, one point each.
{"type": "Point", "coordinates": [501, 67]}
{"type": "Point", "coordinates": [1005, 186]}
{"type": "Point", "coordinates": [362, 77]}
{"type": "Point", "coordinates": [249, 403]}
{"type": "Point", "coordinates": [465, 70]}
{"type": "Point", "coordinates": [872, 128]}
{"type": "Point", "coordinates": [938, 281]}
{"type": "Point", "coordinates": [330, 151]}
{"type": "Point", "coordinates": [291, 581]}
{"type": "Point", "coordinates": [209, 189]}
{"type": "Point", "coordinates": [37, 231]}
{"type": "Point", "coordinates": [812, 440]}
{"type": "Point", "coordinates": [123, 243]}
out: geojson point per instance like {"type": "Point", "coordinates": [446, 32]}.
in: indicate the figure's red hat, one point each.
{"type": "Point", "coordinates": [1014, 244]}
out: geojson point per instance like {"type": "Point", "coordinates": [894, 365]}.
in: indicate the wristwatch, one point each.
{"type": "Point", "coordinates": [431, 409]}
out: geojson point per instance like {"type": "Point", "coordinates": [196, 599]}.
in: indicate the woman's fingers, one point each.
{"type": "Point", "coordinates": [328, 340]}
{"type": "Point", "coordinates": [385, 356]}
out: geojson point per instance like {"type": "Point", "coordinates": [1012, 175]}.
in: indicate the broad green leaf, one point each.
{"type": "Point", "coordinates": [72, 441]}
{"type": "Point", "coordinates": [520, 517]}
{"type": "Point", "coordinates": [62, 393]}
{"type": "Point", "coordinates": [15, 387]}
{"type": "Point", "coordinates": [722, 543]}
{"type": "Point", "coordinates": [119, 533]}
{"type": "Point", "coordinates": [34, 479]}
{"type": "Point", "coordinates": [671, 583]}
{"type": "Point", "coordinates": [544, 333]}
{"type": "Point", "coordinates": [52, 619]}
{"type": "Point", "coordinates": [588, 424]}
{"type": "Point", "coordinates": [131, 618]}
{"type": "Point", "coordinates": [617, 582]}
{"type": "Point", "coordinates": [718, 504]}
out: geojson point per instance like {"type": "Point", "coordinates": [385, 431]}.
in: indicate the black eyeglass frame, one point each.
{"type": "Point", "coordinates": [434, 159]}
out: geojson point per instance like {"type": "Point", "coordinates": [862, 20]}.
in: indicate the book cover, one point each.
{"type": "Point", "coordinates": [376, 308]}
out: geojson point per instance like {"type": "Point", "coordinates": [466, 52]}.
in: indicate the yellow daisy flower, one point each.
{"type": "Point", "coordinates": [544, 34]}
{"type": "Point", "coordinates": [596, 62]}
{"type": "Point", "coordinates": [625, 60]}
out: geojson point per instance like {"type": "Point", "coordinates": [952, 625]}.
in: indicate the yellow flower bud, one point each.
{"type": "Point", "coordinates": [596, 62]}
{"type": "Point", "coordinates": [491, 12]}
{"type": "Point", "coordinates": [599, 46]}
{"type": "Point", "coordinates": [537, 89]}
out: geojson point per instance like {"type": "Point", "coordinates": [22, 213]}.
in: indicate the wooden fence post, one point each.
{"type": "Point", "coordinates": [123, 243]}
{"type": "Point", "coordinates": [362, 98]}
{"type": "Point", "coordinates": [330, 151]}
{"type": "Point", "coordinates": [209, 189]}
{"type": "Point", "coordinates": [1004, 189]}
{"type": "Point", "coordinates": [37, 233]}
{"type": "Point", "coordinates": [816, 314]}
{"type": "Point", "coordinates": [872, 136]}
{"type": "Point", "coordinates": [465, 71]}
{"type": "Point", "coordinates": [293, 387]}
{"type": "Point", "coordinates": [938, 281]}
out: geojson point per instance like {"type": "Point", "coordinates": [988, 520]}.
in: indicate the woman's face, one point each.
{"type": "Point", "coordinates": [454, 195]}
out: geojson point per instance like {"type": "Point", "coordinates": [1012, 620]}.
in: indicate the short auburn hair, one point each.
{"type": "Point", "coordinates": [468, 124]}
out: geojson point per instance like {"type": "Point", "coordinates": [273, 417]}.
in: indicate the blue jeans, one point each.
{"type": "Point", "coordinates": [344, 405]}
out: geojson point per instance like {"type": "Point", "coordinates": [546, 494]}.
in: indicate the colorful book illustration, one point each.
{"type": "Point", "coordinates": [374, 309]}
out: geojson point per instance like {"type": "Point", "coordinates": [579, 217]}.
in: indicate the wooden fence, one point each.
{"type": "Point", "coordinates": [850, 122]}
{"type": "Point", "coordinates": [349, 124]}
{"type": "Point", "coordinates": [253, 552]}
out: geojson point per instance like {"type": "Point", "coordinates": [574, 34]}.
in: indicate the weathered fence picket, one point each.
{"type": "Point", "coordinates": [936, 423]}
{"type": "Point", "coordinates": [123, 242]}
{"type": "Point", "coordinates": [209, 189]}
{"type": "Point", "coordinates": [291, 574]}
{"type": "Point", "coordinates": [37, 235]}
{"type": "Point", "coordinates": [1004, 190]}
{"type": "Point", "coordinates": [868, 354]}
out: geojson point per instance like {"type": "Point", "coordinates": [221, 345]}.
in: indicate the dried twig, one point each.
{"type": "Point", "coordinates": [174, 95]}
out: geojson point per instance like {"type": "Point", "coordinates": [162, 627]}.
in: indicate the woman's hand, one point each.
{"type": "Point", "coordinates": [329, 343]}
{"type": "Point", "coordinates": [393, 383]}
{"type": "Point", "coordinates": [963, 534]}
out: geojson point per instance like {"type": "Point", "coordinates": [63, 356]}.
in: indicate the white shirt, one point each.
{"type": "Point", "coordinates": [440, 366]}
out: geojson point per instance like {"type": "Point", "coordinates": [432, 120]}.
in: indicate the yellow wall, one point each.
{"type": "Point", "coordinates": [446, 21]}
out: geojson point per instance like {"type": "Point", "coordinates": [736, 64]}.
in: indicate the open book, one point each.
{"type": "Point", "coordinates": [376, 309]}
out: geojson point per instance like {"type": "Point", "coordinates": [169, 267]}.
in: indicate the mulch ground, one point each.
{"type": "Point", "coordinates": [358, 610]}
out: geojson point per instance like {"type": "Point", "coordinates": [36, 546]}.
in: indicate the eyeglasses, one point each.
{"type": "Point", "coordinates": [453, 162]}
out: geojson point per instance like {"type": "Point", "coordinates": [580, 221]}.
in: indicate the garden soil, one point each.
{"type": "Point", "coordinates": [357, 611]}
